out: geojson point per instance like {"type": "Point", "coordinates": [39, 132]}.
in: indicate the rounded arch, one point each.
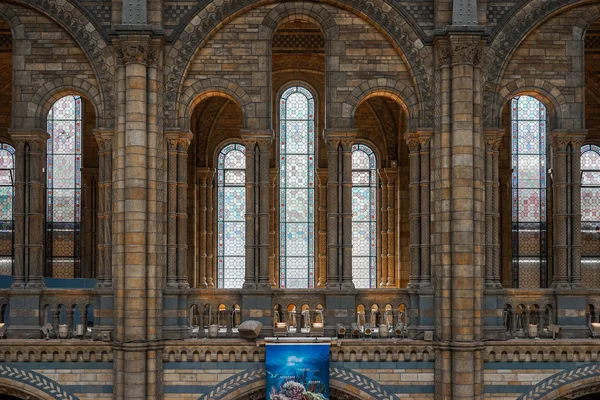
{"type": "Point", "coordinates": [206, 88]}
{"type": "Point", "coordinates": [388, 88]}
{"type": "Point", "coordinates": [285, 12]}
{"type": "Point", "coordinates": [14, 22]}
{"type": "Point", "coordinates": [545, 92]}
{"type": "Point", "coordinates": [43, 100]}
{"type": "Point", "coordinates": [245, 384]}
{"type": "Point", "coordinates": [220, 146]}
{"type": "Point", "coordinates": [204, 21]}
{"type": "Point", "coordinates": [93, 40]}
{"type": "Point", "coordinates": [575, 382]}
{"type": "Point", "coordinates": [30, 383]}
{"type": "Point", "coordinates": [510, 32]}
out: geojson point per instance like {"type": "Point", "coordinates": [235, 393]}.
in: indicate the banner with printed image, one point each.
{"type": "Point", "coordinates": [297, 371]}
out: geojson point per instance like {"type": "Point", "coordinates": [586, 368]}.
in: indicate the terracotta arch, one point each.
{"type": "Point", "coordinates": [43, 100]}
{"type": "Point", "coordinates": [30, 383]}
{"type": "Point", "coordinates": [510, 32]}
{"type": "Point", "coordinates": [568, 384]}
{"type": "Point", "coordinates": [214, 87]}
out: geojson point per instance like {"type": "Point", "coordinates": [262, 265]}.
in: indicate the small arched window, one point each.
{"type": "Point", "coordinates": [528, 136]}
{"type": "Point", "coordinates": [364, 217]}
{"type": "Point", "coordinates": [63, 189]}
{"type": "Point", "coordinates": [7, 223]}
{"type": "Point", "coordinates": [590, 204]}
{"type": "Point", "coordinates": [231, 216]}
{"type": "Point", "coordinates": [297, 188]}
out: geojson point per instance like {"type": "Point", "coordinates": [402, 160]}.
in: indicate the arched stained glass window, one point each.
{"type": "Point", "coordinates": [364, 217]}
{"type": "Point", "coordinates": [7, 178]}
{"type": "Point", "coordinates": [529, 192]}
{"type": "Point", "coordinates": [590, 211]}
{"type": "Point", "coordinates": [297, 188]}
{"type": "Point", "coordinates": [231, 216]}
{"type": "Point", "coordinates": [63, 195]}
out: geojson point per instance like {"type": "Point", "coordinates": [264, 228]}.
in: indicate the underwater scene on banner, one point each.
{"type": "Point", "coordinates": [297, 371]}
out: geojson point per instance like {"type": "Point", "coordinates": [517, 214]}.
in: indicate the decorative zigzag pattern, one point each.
{"type": "Point", "coordinates": [233, 383]}
{"type": "Point", "coordinates": [339, 374]}
{"type": "Point", "coordinates": [560, 379]}
{"type": "Point", "coordinates": [36, 380]}
{"type": "Point", "coordinates": [365, 384]}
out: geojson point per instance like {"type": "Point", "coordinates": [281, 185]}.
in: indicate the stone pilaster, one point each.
{"type": "Point", "coordinates": [424, 137]}
{"type": "Point", "coordinates": [560, 144]}
{"type": "Point", "coordinates": [273, 262]}
{"type": "Point", "coordinates": [412, 139]}
{"type": "Point", "coordinates": [322, 175]}
{"type": "Point", "coordinates": [392, 259]}
{"type": "Point", "coordinates": [383, 273]}
{"type": "Point", "coordinates": [104, 138]}
{"type": "Point", "coordinates": [19, 244]}
{"type": "Point", "coordinates": [339, 207]}
{"type": "Point", "coordinates": [577, 139]}
{"type": "Point", "coordinates": [493, 139]}
{"type": "Point", "coordinates": [205, 177]}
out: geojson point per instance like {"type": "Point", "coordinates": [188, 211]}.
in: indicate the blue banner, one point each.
{"type": "Point", "coordinates": [298, 371]}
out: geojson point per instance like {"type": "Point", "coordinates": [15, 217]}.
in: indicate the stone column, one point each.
{"type": "Point", "coordinates": [577, 139]}
{"type": "Point", "coordinates": [391, 226]}
{"type": "Point", "coordinates": [104, 138]}
{"type": "Point", "coordinates": [258, 150]}
{"type": "Point", "coordinates": [493, 139]}
{"type": "Point", "coordinates": [182, 217]}
{"type": "Point", "coordinates": [339, 207]}
{"type": "Point", "coordinates": [412, 139]}
{"type": "Point", "coordinates": [172, 141]}
{"type": "Point", "coordinates": [210, 230]}
{"type": "Point", "coordinates": [322, 175]}
{"type": "Point", "coordinates": [204, 175]}
{"type": "Point", "coordinates": [560, 144]}
{"type": "Point", "coordinates": [383, 279]}
{"type": "Point", "coordinates": [19, 243]}
{"type": "Point", "coordinates": [273, 273]}
{"type": "Point", "coordinates": [425, 243]}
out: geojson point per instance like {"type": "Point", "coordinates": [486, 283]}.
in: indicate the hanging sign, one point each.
{"type": "Point", "coordinates": [297, 371]}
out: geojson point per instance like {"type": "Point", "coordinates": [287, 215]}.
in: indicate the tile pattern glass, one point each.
{"type": "Point", "coordinates": [364, 217]}
{"type": "Point", "coordinates": [528, 191]}
{"type": "Point", "coordinates": [590, 213]}
{"type": "Point", "coordinates": [7, 176]}
{"type": "Point", "coordinates": [63, 189]}
{"type": "Point", "coordinates": [231, 216]}
{"type": "Point", "coordinates": [297, 188]}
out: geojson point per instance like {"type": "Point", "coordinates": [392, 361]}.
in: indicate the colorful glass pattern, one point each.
{"type": "Point", "coordinates": [590, 202]}
{"type": "Point", "coordinates": [364, 217]}
{"type": "Point", "coordinates": [529, 192]}
{"type": "Point", "coordinates": [7, 176]}
{"type": "Point", "coordinates": [297, 188]}
{"type": "Point", "coordinates": [63, 189]}
{"type": "Point", "coordinates": [231, 216]}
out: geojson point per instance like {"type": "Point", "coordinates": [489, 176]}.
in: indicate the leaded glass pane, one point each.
{"type": "Point", "coordinates": [231, 216]}
{"type": "Point", "coordinates": [364, 217]}
{"type": "Point", "coordinates": [529, 192]}
{"type": "Point", "coordinates": [7, 171]}
{"type": "Point", "coordinates": [63, 195]}
{"type": "Point", "coordinates": [297, 187]}
{"type": "Point", "coordinates": [590, 214]}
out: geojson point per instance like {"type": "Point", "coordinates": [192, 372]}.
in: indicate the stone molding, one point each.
{"type": "Point", "coordinates": [552, 386]}
{"type": "Point", "coordinates": [35, 381]}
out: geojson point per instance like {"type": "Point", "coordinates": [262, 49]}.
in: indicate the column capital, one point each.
{"type": "Point", "coordinates": [102, 136]}
{"type": "Point", "coordinates": [135, 49]}
{"type": "Point", "coordinates": [568, 136]}
{"type": "Point", "coordinates": [257, 135]}
{"type": "Point", "coordinates": [177, 138]}
{"type": "Point", "coordinates": [415, 138]}
{"type": "Point", "coordinates": [29, 135]}
{"type": "Point", "coordinates": [205, 173]}
{"type": "Point", "coordinates": [390, 173]}
{"type": "Point", "coordinates": [340, 135]}
{"type": "Point", "coordinates": [493, 138]}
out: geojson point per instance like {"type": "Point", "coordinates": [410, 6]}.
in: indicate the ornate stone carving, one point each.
{"type": "Point", "coordinates": [133, 53]}
{"type": "Point", "coordinates": [466, 54]}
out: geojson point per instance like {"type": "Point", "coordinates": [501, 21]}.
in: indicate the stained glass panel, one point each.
{"type": "Point", "coordinates": [231, 216]}
{"type": "Point", "coordinates": [364, 217]}
{"type": "Point", "coordinates": [528, 192]}
{"type": "Point", "coordinates": [297, 188]}
{"type": "Point", "coordinates": [63, 193]}
{"type": "Point", "coordinates": [590, 213]}
{"type": "Point", "coordinates": [7, 172]}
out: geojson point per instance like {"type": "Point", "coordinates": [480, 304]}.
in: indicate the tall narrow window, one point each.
{"type": "Point", "coordinates": [297, 188]}
{"type": "Point", "coordinates": [231, 216]}
{"type": "Point", "coordinates": [364, 217]}
{"type": "Point", "coordinates": [63, 199]}
{"type": "Point", "coordinates": [529, 192]}
{"type": "Point", "coordinates": [590, 213]}
{"type": "Point", "coordinates": [7, 177]}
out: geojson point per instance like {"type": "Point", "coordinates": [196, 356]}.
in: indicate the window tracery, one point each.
{"type": "Point", "coordinates": [590, 203]}
{"type": "Point", "coordinates": [7, 176]}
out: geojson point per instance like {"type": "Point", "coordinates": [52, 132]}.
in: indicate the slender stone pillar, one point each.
{"type": "Point", "coordinates": [322, 175]}
{"type": "Point", "coordinates": [559, 185]}
{"type": "Point", "coordinates": [492, 216]}
{"type": "Point", "coordinates": [577, 240]}
{"type": "Point", "coordinates": [425, 242]}
{"type": "Point", "coordinates": [273, 272]}
{"type": "Point", "coordinates": [210, 231]}
{"type": "Point", "coordinates": [182, 217]}
{"type": "Point", "coordinates": [204, 176]}
{"type": "Point", "coordinates": [100, 213]}
{"type": "Point", "coordinates": [19, 215]}
{"type": "Point", "coordinates": [172, 141]}
{"type": "Point", "coordinates": [384, 230]}
{"type": "Point", "coordinates": [104, 138]}
{"type": "Point", "coordinates": [258, 150]}
{"type": "Point", "coordinates": [339, 207]}
{"type": "Point", "coordinates": [412, 139]}
{"type": "Point", "coordinates": [391, 174]}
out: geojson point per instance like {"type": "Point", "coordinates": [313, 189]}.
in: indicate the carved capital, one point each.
{"type": "Point", "coordinates": [335, 137]}
{"type": "Point", "coordinates": [466, 54]}
{"type": "Point", "coordinates": [562, 138]}
{"type": "Point", "coordinates": [153, 54]}
{"type": "Point", "coordinates": [132, 53]}
{"type": "Point", "coordinates": [262, 137]}
{"type": "Point", "coordinates": [444, 55]}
